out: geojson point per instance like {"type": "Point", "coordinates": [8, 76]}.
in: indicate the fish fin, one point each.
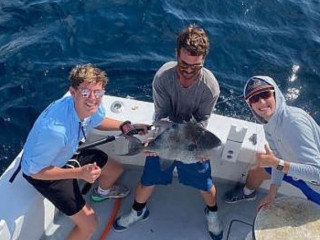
{"type": "Point", "coordinates": [165, 164]}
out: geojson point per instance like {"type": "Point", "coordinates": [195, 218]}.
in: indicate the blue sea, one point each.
{"type": "Point", "coordinates": [41, 40]}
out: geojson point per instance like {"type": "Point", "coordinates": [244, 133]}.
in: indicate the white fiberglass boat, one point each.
{"type": "Point", "coordinates": [176, 210]}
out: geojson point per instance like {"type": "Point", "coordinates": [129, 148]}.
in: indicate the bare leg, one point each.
{"type": "Point", "coordinates": [256, 176]}
{"type": "Point", "coordinates": [210, 196]}
{"type": "Point", "coordinates": [110, 173]}
{"type": "Point", "coordinates": [86, 224]}
{"type": "Point", "coordinates": [214, 225]}
{"type": "Point", "coordinates": [143, 193]}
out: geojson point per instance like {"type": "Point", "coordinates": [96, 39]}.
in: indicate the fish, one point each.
{"type": "Point", "coordinates": [185, 142]}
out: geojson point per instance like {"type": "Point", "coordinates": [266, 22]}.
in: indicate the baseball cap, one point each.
{"type": "Point", "coordinates": [254, 86]}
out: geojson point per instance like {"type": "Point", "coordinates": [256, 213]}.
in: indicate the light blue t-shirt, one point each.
{"type": "Point", "coordinates": [55, 136]}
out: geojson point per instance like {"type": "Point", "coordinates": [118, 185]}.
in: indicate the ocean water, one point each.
{"type": "Point", "coordinates": [41, 40]}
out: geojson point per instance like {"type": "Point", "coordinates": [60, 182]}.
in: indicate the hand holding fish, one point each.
{"type": "Point", "coordinates": [147, 152]}
{"type": "Point", "coordinates": [130, 129]}
{"type": "Point", "coordinates": [267, 159]}
{"type": "Point", "coordinates": [141, 128]}
{"type": "Point", "coordinates": [202, 158]}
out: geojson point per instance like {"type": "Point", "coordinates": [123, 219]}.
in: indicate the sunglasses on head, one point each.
{"type": "Point", "coordinates": [85, 92]}
{"type": "Point", "coordinates": [264, 95]}
{"type": "Point", "coordinates": [184, 66]}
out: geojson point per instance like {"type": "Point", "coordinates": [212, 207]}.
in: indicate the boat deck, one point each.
{"type": "Point", "coordinates": [176, 212]}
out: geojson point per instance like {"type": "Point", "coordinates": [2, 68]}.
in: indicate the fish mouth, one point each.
{"type": "Point", "coordinates": [133, 146]}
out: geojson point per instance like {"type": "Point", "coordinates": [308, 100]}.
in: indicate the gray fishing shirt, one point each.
{"type": "Point", "coordinates": [293, 135]}
{"type": "Point", "coordinates": [179, 104]}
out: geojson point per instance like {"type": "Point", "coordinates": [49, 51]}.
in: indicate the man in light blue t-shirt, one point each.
{"type": "Point", "coordinates": [54, 140]}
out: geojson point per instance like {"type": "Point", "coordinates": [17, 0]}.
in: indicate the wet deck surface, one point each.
{"type": "Point", "coordinates": [176, 212]}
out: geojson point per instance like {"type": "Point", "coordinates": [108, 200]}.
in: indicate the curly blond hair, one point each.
{"type": "Point", "coordinates": [194, 40]}
{"type": "Point", "coordinates": [87, 73]}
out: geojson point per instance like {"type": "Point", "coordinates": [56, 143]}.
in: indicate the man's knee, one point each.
{"type": "Point", "coordinates": [86, 220]}
{"type": "Point", "coordinates": [91, 226]}
{"type": "Point", "coordinates": [211, 191]}
{"type": "Point", "coordinates": [114, 167]}
{"type": "Point", "coordinates": [145, 187]}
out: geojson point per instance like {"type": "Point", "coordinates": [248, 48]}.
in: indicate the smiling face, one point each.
{"type": "Point", "coordinates": [264, 106]}
{"type": "Point", "coordinates": [87, 85]}
{"type": "Point", "coordinates": [188, 67]}
{"type": "Point", "coordinates": [87, 98]}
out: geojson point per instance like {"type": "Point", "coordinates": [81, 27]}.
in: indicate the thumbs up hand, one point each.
{"type": "Point", "coordinates": [267, 159]}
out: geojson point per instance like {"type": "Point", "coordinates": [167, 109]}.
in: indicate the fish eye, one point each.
{"type": "Point", "coordinates": [175, 126]}
{"type": "Point", "coordinates": [192, 147]}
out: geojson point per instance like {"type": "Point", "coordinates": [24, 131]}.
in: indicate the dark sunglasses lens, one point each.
{"type": "Point", "coordinates": [182, 67]}
{"type": "Point", "coordinates": [195, 67]}
{"type": "Point", "coordinates": [254, 99]}
{"type": "Point", "coordinates": [263, 95]}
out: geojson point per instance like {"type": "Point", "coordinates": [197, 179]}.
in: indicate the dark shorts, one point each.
{"type": "Point", "coordinates": [302, 185]}
{"type": "Point", "coordinates": [65, 194]}
{"type": "Point", "coordinates": [197, 175]}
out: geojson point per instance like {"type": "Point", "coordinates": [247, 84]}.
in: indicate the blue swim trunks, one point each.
{"type": "Point", "coordinates": [197, 175]}
{"type": "Point", "coordinates": [302, 185]}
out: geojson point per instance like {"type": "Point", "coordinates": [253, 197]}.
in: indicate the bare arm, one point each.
{"type": "Point", "coordinates": [89, 173]}
{"type": "Point", "coordinates": [268, 200]}
{"type": "Point", "coordinates": [109, 124]}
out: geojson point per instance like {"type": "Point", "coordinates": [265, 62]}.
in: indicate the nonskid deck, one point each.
{"type": "Point", "coordinates": [176, 212]}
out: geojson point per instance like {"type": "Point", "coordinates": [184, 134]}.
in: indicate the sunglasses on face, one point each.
{"type": "Point", "coordinates": [264, 95]}
{"type": "Point", "coordinates": [184, 66]}
{"type": "Point", "coordinates": [85, 92]}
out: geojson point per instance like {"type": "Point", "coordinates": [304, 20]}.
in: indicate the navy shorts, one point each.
{"type": "Point", "coordinates": [65, 194]}
{"type": "Point", "coordinates": [302, 185]}
{"type": "Point", "coordinates": [197, 175]}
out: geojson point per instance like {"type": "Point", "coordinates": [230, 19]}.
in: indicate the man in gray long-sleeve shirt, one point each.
{"type": "Point", "coordinates": [294, 138]}
{"type": "Point", "coordinates": [183, 91]}
{"type": "Point", "coordinates": [193, 102]}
